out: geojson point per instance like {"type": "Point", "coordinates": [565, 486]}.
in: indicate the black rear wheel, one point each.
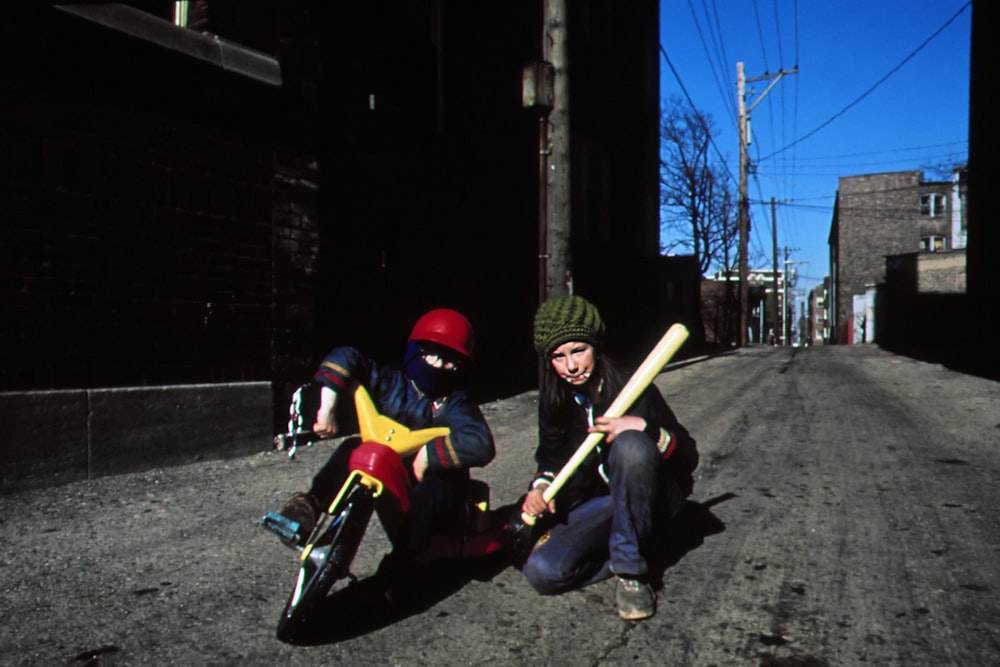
{"type": "Point", "coordinates": [328, 560]}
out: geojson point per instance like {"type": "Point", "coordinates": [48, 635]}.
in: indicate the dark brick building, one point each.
{"type": "Point", "coordinates": [977, 341]}
{"type": "Point", "coordinates": [191, 215]}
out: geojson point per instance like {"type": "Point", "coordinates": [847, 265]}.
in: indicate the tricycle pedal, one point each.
{"type": "Point", "coordinates": [290, 532]}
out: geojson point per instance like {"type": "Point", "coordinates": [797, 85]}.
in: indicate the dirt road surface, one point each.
{"type": "Point", "coordinates": [845, 513]}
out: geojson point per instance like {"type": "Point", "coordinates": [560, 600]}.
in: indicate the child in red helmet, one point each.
{"type": "Point", "coordinates": [425, 392]}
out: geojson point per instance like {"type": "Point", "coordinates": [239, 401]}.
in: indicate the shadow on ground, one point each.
{"type": "Point", "coordinates": [366, 606]}
{"type": "Point", "coordinates": [363, 607]}
{"type": "Point", "coordinates": [686, 532]}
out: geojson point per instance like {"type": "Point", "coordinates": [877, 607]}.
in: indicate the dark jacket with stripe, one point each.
{"type": "Point", "coordinates": [556, 446]}
{"type": "Point", "coordinates": [470, 443]}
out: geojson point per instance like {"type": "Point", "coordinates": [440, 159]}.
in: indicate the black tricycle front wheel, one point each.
{"type": "Point", "coordinates": [327, 558]}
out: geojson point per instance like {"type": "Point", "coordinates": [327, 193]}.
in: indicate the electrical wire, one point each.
{"type": "Point", "coordinates": [878, 83]}
{"type": "Point", "coordinates": [687, 96]}
{"type": "Point", "coordinates": [711, 62]}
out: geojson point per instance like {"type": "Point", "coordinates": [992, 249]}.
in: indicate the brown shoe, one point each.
{"type": "Point", "coordinates": [303, 509]}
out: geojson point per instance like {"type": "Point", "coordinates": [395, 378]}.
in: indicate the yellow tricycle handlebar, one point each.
{"type": "Point", "coordinates": [377, 427]}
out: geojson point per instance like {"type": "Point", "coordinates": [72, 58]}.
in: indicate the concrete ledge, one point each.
{"type": "Point", "coordinates": [55, 437]}
{"type": "Point", "coordinates": [222, 53]}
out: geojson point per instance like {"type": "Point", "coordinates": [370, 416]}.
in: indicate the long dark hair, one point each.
{"type": "Point", "coordinates": [556, 394]}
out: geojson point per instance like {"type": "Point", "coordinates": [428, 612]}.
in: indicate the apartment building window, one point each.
{"type": "Point", "coordinates": [933, 243]}
{"type": "Point", "coordinates": [932, 205]}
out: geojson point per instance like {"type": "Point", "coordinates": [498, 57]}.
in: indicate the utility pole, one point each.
{"type": "Point", "coordinates": [774, 262]}
{"type": "Point", "coordinates": [536, 94]}
{"type": "Point", "coordinates": [744, 205]}
{"type": "Point", "coordinates": [786, 329]}
{"type": "Point", "coordinates": [558, 259]}
{"type": "Point", "coordinates": [784, 303]}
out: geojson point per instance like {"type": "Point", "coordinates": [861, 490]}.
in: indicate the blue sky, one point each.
{"type": "Point", "coordinates": [872, 94]}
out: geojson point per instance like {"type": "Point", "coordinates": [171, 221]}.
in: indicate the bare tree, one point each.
{"type": "Point", "coordinates": [698, 206]}
{"type": "Point", "coordinates": [943, 170]}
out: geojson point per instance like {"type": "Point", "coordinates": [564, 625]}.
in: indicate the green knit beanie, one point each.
{"type": "Point", "coordinates": [564, 319]}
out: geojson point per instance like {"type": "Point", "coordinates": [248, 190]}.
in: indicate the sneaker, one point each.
{"type": "Point", "coordinates": [303, 509]}
{"type": "Point", "coordinates": [635, 599]}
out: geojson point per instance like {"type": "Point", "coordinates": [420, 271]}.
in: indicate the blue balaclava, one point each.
{"type": "Point", "coordinates": [448, 334]}
{"type": "Point", "coordinates": [434, 382]}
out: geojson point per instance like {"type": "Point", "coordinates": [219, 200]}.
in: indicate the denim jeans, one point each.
{"type": "Point", "coordinates": [607, 534]}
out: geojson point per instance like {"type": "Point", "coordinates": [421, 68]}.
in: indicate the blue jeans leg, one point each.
{"type": "Point", "coordinates": [575, 553]}
{"type": "Point", "coordinates": [607, 534]}
{"type": "Point", "coordinates": [633, 469]}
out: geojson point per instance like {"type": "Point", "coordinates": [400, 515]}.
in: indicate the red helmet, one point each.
{"type": "Point", "coordinates": [445, 327]}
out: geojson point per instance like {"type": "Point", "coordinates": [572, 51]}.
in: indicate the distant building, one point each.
{"type": "Point", "coordinates": [877, 215]}
{"type": "Point", "coordinates": [768, 321]}
{"type": "Point", "coordinates": [817, 319]}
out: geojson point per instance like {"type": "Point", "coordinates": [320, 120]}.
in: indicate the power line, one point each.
{"type": "Point", "coordinates": [711, 61]}
{"type": "Point", "coordinates": [687, 95]}
{"type": "Point", "coordinates": [876, 85]}
{"type": "Point", "coordinates": [888, 150]}
{"type": "Point", "coordinates": [760, 35]}
{"type": "Point", "coordinates": [724, 57]}
{"type": "Point", "coordinates": [777, 29]}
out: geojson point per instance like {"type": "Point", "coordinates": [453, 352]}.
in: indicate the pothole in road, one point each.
{"type": "Point", "coordinates": [951, 462]}
{"type": "Point", "coordinates": [90, 658]}
{"type": "Point", "coordinates": [792, 661]}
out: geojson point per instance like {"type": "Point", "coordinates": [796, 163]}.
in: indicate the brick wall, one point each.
{"type": "Point", "coordinates": [135, 256]}
{"type": "Point", "coordinates": [159, 229]}
{"type": "Point", "coordinates": [941, 273]}
{"type": "Point", "coordinates": [148, 223]}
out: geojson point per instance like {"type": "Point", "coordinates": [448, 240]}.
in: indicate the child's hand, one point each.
{"type": "Point", "coordinates": [420, 464]}
{"type": "Point", "coordinates": [534, 502]}
{"type": "Point", "coordinates": [326, 420]}
{"type": "Point", "coordinates": [612, 426]}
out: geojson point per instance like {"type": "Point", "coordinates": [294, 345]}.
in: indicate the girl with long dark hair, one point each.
{"type": "Point", "coordinates": [604, 520]}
